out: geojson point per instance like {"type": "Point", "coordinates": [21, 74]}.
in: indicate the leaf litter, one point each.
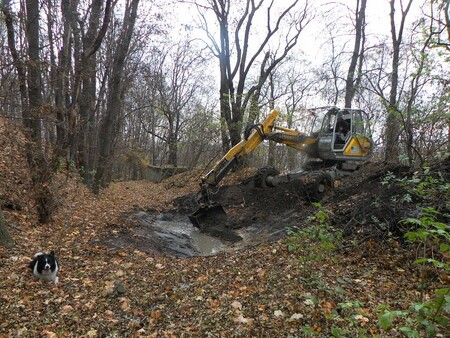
{"type": "Point", "coordinates": [263, 290]}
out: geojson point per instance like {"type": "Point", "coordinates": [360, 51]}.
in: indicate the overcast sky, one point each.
{"type": "Point", "coordinates": [314, 39]}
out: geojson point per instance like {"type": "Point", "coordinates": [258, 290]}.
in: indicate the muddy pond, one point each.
{"type": "Point", "coordinates": [253, 216]}
{"type": "Point", "coordinates": [172, 233]}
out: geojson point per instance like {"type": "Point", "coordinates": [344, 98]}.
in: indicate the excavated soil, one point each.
{"type": "Point", "coordinates": [284, 206]}
{"type": "Point", "coordinates": [365, 206]}
{"type": "Point", "coordinates": [271, 209]}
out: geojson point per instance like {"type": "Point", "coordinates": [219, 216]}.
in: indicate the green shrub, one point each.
{"type": "Point", "coordinates": [316, 240]}
{"type": "Point", "coordinates": [432, 239]}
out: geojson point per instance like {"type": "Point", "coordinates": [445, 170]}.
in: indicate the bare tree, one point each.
{"type": "Point", "coordinates": [149, 117]}
{"type": "Point", "coordinates": [289, 87]}
{"type": "Point", "coordinates": [340, 83]}
{"type": "Point", "coordinates": [439, 33]}
{"type": "Point", "coordinates": [424, 73]}
{"type": "Point", "coordinates": [82, 134]}
{"type": "Point", "coordinates": [73, 48]}
{"type": "Point", "coordinates": [175, 90]}
{"type": "Point", "coordinates": [331, 74]}
{"type": "Point", "coordinates": [393, 130]}
{"type": "Point", "coordinates": [109, 126]}
{"type": "Point", "coordinates": [237, 56]}
{"type": "Point", "coordinates": [439, 24]}
{"type": "Point", "coordinates": [29, 74]}
{"type": "Point", "coordinates": [354, 75]}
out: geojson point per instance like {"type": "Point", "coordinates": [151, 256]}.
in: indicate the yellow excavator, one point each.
{"type": "Point", "coordinates": [339, 141]}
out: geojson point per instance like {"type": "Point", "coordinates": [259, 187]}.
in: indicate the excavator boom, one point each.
{"type": "Point", "coordinates": [212, 210]}
{"type": "Point", "coordinates": [246, 146]}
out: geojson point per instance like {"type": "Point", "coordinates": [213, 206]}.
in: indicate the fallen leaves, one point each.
{"type": "Point", "coordinates": [49, 334]}
{"type": "Point", "coordinates": [262, 291]}
{"type": "Point", "coordinates": [154, 317]}
{"type": "Point", "coordinates": [66, 309]}
{"type": "Point", "coordinates": [240, 319]}
{"type": "Point", "coordinates": [125, 304]}
{"type": "Point", "coordinates": [278, 313]}
{"type": "Point", "coordinates": [92, 333]}
{"type": "Point", "coordinates": [236, 305]}
{"type": "Point", "coordinates": [296, 316]}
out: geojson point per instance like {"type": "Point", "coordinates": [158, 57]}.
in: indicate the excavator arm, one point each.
{"type": "Point", "coordinates": [257, 134]}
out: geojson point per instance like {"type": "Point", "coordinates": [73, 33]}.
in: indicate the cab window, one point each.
{"type": "Point", "coordinates": [328, 123]}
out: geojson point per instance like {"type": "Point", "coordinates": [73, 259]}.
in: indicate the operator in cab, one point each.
{"type": "Point", "coordinates": [342, 129]}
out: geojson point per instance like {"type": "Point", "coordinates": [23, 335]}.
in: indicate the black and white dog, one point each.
{"type": "Point", "coordinates": [45, 266]}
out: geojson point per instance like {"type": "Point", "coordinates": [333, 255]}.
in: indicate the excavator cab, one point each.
{"type": "Point", "coordinates": [344, 136]}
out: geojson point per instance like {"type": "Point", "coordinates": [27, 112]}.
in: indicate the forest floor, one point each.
{"type": "Point", "coordinates": [274, 286]}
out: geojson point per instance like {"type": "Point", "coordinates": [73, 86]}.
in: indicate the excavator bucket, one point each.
{"type": "Point", "coordinates": [206, 216]}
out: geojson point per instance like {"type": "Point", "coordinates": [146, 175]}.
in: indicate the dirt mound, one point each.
{"type": "Point", "coordinates": [373, 203]}
{"type": "Point", "coordinates": [271, 209]}
{"type": "Point", "coordinates": [370, 204]}
{"type": "Point", "coordinates": [366, 208]}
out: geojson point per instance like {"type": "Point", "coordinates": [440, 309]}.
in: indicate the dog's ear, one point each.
{"type": "Point", "coordinates": [32, 264]}
{"type": "Point", "coordinates": [52, 253]}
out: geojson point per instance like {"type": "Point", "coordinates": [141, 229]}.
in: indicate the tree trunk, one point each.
{"type": "Point", "coordinates": [62, 79]}
{"type": "Point", "coordinates": [108, 128]}
{"type": "Point", "coordinates": [39, 168]}
{"type": "Point", "coordinates": [393, 129]}
{"type": "Point", "coordinates": [225, 116]}
{"type": "Point", "coordinates": [358, 52]}
{"type": "Point", "coordinates": [87, 98]}
{"type": "Point", "coordinates": [272, 145]}
{"type": "Point", "coordinates": [5, 238]}
{"type": "Point", "coordinates": [173, 149]}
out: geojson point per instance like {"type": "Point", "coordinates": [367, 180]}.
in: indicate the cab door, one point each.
{"type": "Point", "coordinates": [358, 144]}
